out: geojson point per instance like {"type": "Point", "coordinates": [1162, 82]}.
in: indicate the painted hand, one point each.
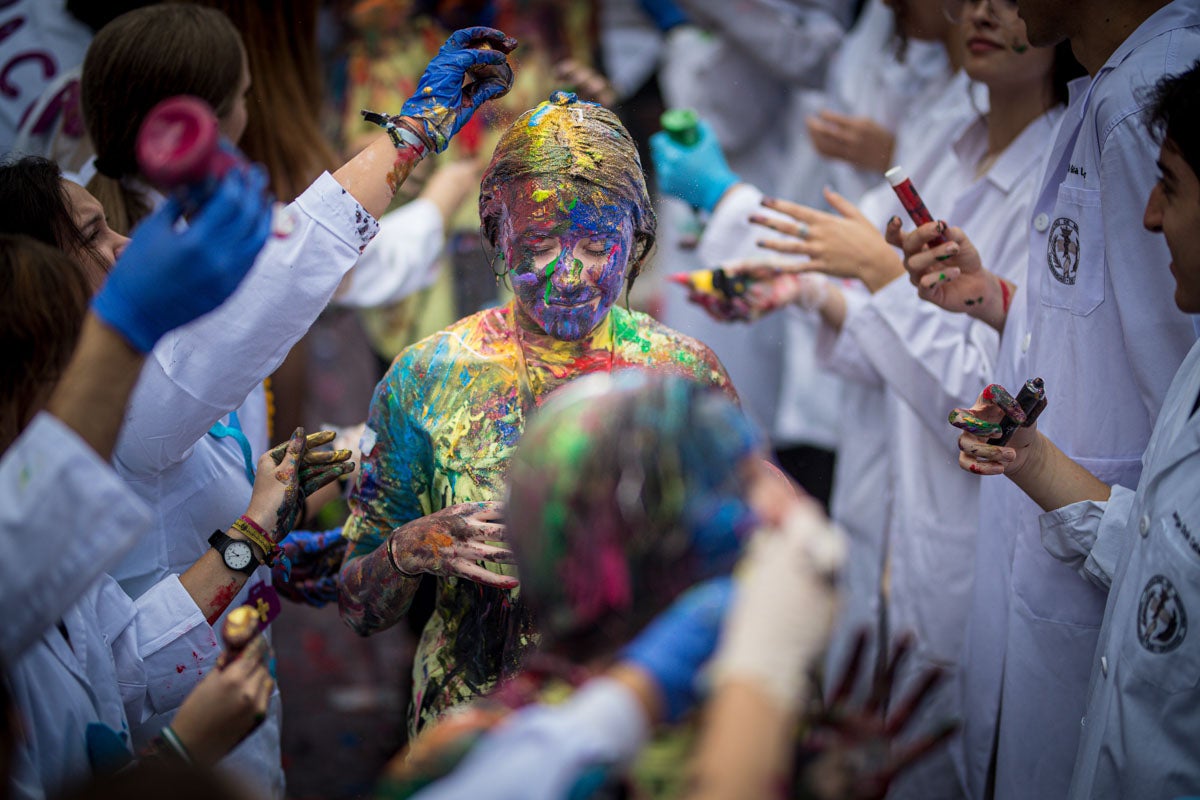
{"type": "Point", "coordinates": [842, 245]}
{"type": "Point", "coordinates": [450, 541]}
{"type": "Point", "coordinates": [860, 141]}
{"type": "Point", "coordinates": [289, 473]}
{"type": "Point", "coordinates": [777, 283]}
{"type": "Point", "coordinates": [981, 422]}
{"type": "Point", "coordinates": [697, 174]}
{"type": "Point", "coordinates": [949, 275]}
{"type": "Point", "coordinates": [227, 705]}
{"type": "Point", "coordinates": [442, 105]}
{"type": "Point", "coordinates": [315, 560]}
{"type": "Point", "coordinates": [858, 757]}
{"type": "Point", "coordinates": [678, 641]}
{"type": "Point", "coordinates": [167, 277]}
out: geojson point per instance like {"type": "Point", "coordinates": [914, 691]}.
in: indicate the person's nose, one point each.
{"type": "Point", "coordinates": [1152, 217]}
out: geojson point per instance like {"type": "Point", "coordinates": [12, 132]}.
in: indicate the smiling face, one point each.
{"type": "Point", "coordinates": [1174, 211]}
{"type": "Point", "coordinates": [998, 53]}
{"type": "Point", "coordinates": [567, 246]}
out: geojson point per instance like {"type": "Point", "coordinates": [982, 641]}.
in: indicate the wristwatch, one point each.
{"type": "Point", "coordinates": [236, 553]}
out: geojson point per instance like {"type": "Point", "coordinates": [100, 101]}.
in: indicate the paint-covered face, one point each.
{"type": "Point", "coordinates": [566, 245]}
{"type": "Point", "coordinates": [1174, 211]}
{"type": "Point", "coordinates": [998, 53]}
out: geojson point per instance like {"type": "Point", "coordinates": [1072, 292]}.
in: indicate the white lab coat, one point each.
{"type": "Point", "coordinates": [400, 260]}
{"type": "Point", "coordinates": [120, 661]}
{"type": "Point", "coordinates": [931, 361]}
{"type": "Point", "coordinates": [737, 78]}
{"type": "Point", "coordinates": [1139, 734]}
{"type": "Point", "coordinates": [195, 483]}
{"type": "Point", "coordinates": [1104, 334]}
{"type": "Point", "coordinates": [65, 518]}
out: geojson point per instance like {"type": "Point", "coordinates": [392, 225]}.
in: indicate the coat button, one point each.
{"type": "Point", "coordinates": [1144, 525]}
{"type": "Point", "coordinates": [1041, 222]}
{"type": "Point", "coordinates": [1104, 666]}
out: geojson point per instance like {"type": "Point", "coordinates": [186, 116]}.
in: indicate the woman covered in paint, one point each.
{"type": "Point", "coordinates": [564, 206]}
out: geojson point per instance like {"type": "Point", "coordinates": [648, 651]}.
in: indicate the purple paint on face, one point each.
{"type": "Point", "coordinates": [568, 247]}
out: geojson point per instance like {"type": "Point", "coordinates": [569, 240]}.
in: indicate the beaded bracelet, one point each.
{"type": "Point", "coordinates": [400, 135]}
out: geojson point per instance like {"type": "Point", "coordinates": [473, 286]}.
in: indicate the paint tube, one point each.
{"type": "Point", "coordinates": [713, 282]}
{"type": "Point", "coordinates": [1031, 399]}
{"type": "Point", "coordinates": [240, 627]}
{"type": "Point", "coordinates": [682, 125]}
{"type": "Point", "coordinates": [180, 146]}
{"type": "Point", "coordinates": [902, 185]}
{"type": "Point", "coordinates": [180, 150]}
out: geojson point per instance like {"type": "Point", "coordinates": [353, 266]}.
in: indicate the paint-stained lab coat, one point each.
{"type": "Point", "coordinates": [65, 518]}
{"type": "Point", "coordinates": [195, 483]}
{"type": "Point", "coordinates": [1104, 334]}
{"type": "Point", "coordinates": [115, 661]}
{"type": "Point", "coordinates": [1142, 723]}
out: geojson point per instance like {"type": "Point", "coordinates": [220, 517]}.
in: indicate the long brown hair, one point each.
{"type": "Point", "coordinates": [43, 299]}
{"type": "Point", "coordinates": [285, 84]}
{"type": "Point", "coordinates": [138, 60]}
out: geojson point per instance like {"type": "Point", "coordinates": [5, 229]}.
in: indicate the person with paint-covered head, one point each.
{"type": "Point", "coordinates": [565, 213]}
{"type": "Point", "coordinates": [630, 498]}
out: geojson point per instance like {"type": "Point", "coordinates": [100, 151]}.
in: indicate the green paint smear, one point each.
{"type": "Point", "coordinates": [549, 272]}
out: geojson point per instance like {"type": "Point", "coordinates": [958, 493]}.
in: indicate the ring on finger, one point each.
{"type": "Point", "coordinates": [802, 230]}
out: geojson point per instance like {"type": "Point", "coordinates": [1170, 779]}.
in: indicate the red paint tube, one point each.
{"type": "Point", "coordinates": [911, 201]}
{"type": "Point", "coordinates": [180, 146]}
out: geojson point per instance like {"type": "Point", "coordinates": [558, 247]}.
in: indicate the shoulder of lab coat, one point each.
{"type": "Point", "coordinates": [65, 519]}
{"type": "Point", "coordinates": [205, 369]}
{"type": "Point", "coordinates": [542, 750]}
{"type": "Point", "coordinates": [1089, 535]}
{"type": "Point", "coordinates": [401, 260]}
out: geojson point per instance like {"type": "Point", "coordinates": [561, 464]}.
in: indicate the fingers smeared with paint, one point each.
{"type": "Point", "coordinates": [288, 474]}
{"type": "Point", "coordinates": [450, 541]}
{"type": "Point", "coordinates": [964, 420]}
{"type": "Point", "coordinates": [858, 751]}
{"type": "Point", "coordinates": [997, 394]}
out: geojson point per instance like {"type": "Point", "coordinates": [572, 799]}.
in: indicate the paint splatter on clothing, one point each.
{"type": "Point", "coordinates": [446, 419]}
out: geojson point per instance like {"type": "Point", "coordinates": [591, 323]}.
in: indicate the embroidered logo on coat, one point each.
{"type": "Point", "coordinates": [1062, 251]}
{"type": "Point", "coordinates": [1162, 620]}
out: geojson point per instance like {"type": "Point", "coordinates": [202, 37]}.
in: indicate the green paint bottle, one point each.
{"type": "Point", "coordinates": [682, 125]}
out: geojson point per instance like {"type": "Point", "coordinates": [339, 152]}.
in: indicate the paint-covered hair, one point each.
{"type": "Point", "coordinates": [1175, 114]}
{"type": "Point", "coordinates": [567, 139]}
{"type": "Point", "coordinates": [625, 491]}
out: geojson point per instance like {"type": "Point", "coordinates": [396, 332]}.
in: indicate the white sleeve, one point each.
{"type": "Point", "coordinates": [66, 518]}
{"type": "Point", "coordinates": [1089, 535]}
{"type": "Point", "coordinates": [401, 260]}
{"type": "Point", "coordinates": [728, 233]}
{"type": "Point", "coordinates": [935, 360]}
{"type": "Point", "coordinates": [163, 650]}
{"type": "Point", "coordinates": [839, 351]}
{"type": "Point", "coordinates": [541, 751]}
{"type": "Point", "coordinates": [205, 369]}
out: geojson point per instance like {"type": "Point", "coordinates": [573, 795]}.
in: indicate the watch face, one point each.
{"type": "Point", "coordinates": [238, 555]}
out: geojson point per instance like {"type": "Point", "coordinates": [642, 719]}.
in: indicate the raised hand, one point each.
{"type": "Point", "coordinates": [951, 275]}
{"type": "Point", "coordinates": [287, 474]}
{"type": "Point", "coordinates": [842, 245]}
{"type": "Point", "coordinates": [858, 758]}
{"type": "Point", "coordinates": [450, 541]}
{"type": "Point", "coordinates": [442, 104]}
{"type": "Point", "coordinates": [697, 174]}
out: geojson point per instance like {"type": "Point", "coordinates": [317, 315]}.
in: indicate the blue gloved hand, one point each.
{"type": "Point", "coordinates": [673, 647]}
{"type": "Point", "coordinates": [665, 13]}
{"type": "Point", "coordinates": [698, 174]}
{"type": "Point", "coordinates": [441, 104]}
{"type": "Point", "coordinates": [166, 278]}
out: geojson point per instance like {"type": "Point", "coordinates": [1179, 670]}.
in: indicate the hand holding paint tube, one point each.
{"type": "Point", "coordinates": [746, 290]}
{"type": "Point", "coordinates": [943, 263]}
{"type": "Point", "coordinates": [999, 430]}
{"type": "Point", "coordinates": [232, 700]}
{"type": "Point", "coordinates": [692, 169]}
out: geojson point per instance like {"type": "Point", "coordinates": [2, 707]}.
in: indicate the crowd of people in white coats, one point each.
{"type": "Point", "coordinates": [884, 481]}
